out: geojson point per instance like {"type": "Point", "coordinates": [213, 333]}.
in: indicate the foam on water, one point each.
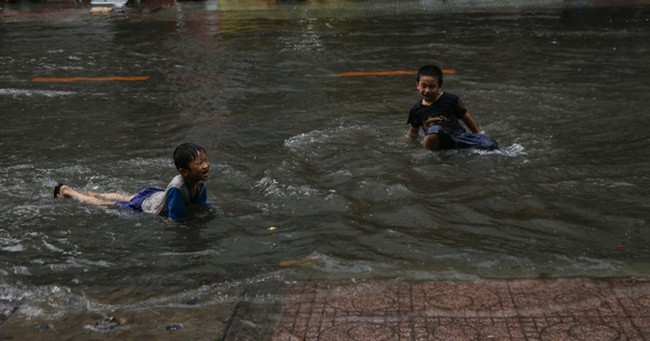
{"type": "Point", "coordinates": [146, 164]}
{"type": "Point", "coordinates": [13, 248]}
{"type": "Point", "coordinates": [33, 93]}
{"type": "Point", "coordinates": [209, 252]}
{"type": "Point", "coordinates": [588, 264]}
{"type": "Point", "coordinates": [513, 150]}
{"type": "Point", "coordinates": [299, 199]}
{"type": "Point", "coordinates": [322, 136]}
{"type": "Point", "coordinates": [11, 244]}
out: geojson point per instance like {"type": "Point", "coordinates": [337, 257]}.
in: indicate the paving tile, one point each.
{"type": "Point", "coordinates": [546, 309]}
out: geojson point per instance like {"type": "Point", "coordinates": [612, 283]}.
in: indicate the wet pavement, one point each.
{"type": "Point", "coordinates": [547, 309]}
{"type": "Point", "coordinates": [383, 309]}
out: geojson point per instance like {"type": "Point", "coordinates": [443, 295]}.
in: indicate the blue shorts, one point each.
{"type": "Point", "coordinates": [136, 202]}
{"type": "Point", "coordinates": [462, 140]}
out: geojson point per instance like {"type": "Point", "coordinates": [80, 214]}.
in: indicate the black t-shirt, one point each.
{"type": "Point", "coordinates": [447, 110]}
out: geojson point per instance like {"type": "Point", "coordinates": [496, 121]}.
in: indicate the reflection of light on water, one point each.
{"type": "Point", "coordinates": [307, 40]}
{"type": "Point", "coordinates": [212, 5]}
{"type": "Point", "coordinates": [466, 4]}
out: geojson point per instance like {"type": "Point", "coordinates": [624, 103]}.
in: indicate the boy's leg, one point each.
{"type": "Point", "coordinates": [431, 139]}
{"type": "Point", "coordinates": [437, 138]}
{"type": "Point", "coordinates": [431, 142]}
{"type": "Point", "coordinates": [478, 141]}
{"type": "Point", "coordinates": [111, 196]}
{"type": "Point", "coordinates": [68, 192]}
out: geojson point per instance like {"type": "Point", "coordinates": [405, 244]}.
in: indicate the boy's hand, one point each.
{"type": "Point", "coordinates": [413, 132]}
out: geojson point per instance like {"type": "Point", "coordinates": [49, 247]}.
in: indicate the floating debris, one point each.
{"type": "Point", "coordinates": [174, 327]}
{"type": "Point", "coordinates": [191, 301]}
{"type": "Point", "coordinates": [309, 260]}
{"type": "Point", "coordinates": [43, 328]}
{"type": "Point", "coordinates": [101, 10]}
{"type": "Point", "coordinates": [107, 323]}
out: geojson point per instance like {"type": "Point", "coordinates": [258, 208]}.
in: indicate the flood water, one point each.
{"type": "Point", "coordinates": [320, 156]}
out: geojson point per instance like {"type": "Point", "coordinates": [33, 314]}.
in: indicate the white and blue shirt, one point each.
{"type": "Point", "coordinates": [176, 199]}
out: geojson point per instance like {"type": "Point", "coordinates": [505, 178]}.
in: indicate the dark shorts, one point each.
{"type": "Point", "coordinates": [462, 140]}
{"type": "Point", "coordinates": [136, 202]}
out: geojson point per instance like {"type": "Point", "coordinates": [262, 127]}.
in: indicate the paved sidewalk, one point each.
{"type": "Point", "coordinates": [527, 309]}
{"type": "Point", "coordinates": [390, 309]}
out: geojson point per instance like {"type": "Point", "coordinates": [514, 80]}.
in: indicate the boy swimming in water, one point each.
{"type": "Point", "coordinates": [184, 191]}
{"type": "Point", "coordinates": [438, 114]}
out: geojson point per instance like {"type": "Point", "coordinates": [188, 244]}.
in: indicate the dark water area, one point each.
{"type": "Point", "coordinates": [322, 157]}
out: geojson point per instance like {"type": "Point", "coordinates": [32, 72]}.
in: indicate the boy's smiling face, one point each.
{"type": "Point", "coordinates": [198, 169]}
{"type": "Point", "coordinates": [429, 88]}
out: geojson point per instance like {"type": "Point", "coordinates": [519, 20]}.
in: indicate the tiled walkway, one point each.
{"type": "Point", "coordinates": [392, 309]}
{"type": "Point", "coordinates": [549, 309]}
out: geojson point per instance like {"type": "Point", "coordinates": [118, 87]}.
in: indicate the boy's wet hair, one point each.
{"type": "Point", "coordinates": [185, 153]}
{"type": "Point", "coordinates": [430, 70]}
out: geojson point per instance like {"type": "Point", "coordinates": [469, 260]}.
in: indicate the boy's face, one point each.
{"type": "Point", "coordinates": [428, 87]}
{"type": "Point", "coordinates": [197, 169]}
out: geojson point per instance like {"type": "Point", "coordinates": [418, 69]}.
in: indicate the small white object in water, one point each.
{"type": "Point", "coordinates": [100, 10]}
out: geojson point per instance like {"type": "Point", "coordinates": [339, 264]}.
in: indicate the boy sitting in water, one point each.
{"type": "Point", "coordinates": [185, 190]}
{"type": "Point", "coordinates": [438, 112]}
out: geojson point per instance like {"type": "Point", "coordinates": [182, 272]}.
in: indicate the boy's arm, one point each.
{"type": "Point", "coordinates": [414, 125]}
{"type": "Point", "coordinates": [470, 122]}
{"type": "Point", "coordinates": [175, 204]}
{"type": "Point", "coordinates": [413, 132]}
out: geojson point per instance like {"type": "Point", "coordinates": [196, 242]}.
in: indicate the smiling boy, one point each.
{"type": "Point", "coordinates": [185, 190]}
{"type": "Point", "coordinates": [438, 114]}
